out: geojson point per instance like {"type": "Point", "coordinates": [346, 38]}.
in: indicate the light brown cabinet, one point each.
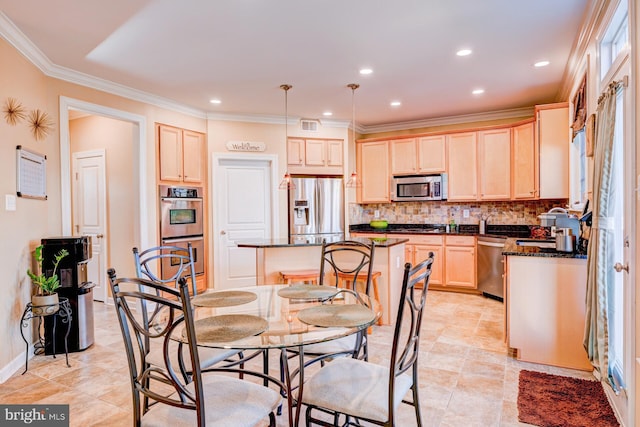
{"type": "Point", "coordinates": [432, 154]}
{"type": "Point", "coordinates": [181, 154]}
{"type": "Point", "coordinates": [460, 262]}
{"type": "Point", "coordinates": [462, 166]}
{"type": "Point", "coordinates": [524, 163]}
{"type": "Point", "coordinates": [424, 155]}
{"type": "Point", "coordinates": [417, 250]}
{"type": "Point", "coordinates": [315, 156]}
{"type": "Point", "coordinates": [494, 164]}
{"type": "Point", "coordinates": [373, 169]}
{"type": "Point", "coordinates": [553, 140]}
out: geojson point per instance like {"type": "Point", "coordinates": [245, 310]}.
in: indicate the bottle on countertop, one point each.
{"type": "Point", "coordinates": [453, 228]}
{"type": "Point", "coordinates": [483, 226]}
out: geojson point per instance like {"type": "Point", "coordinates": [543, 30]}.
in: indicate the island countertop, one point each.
{"type": "Point", "coordinates": [284, 242]}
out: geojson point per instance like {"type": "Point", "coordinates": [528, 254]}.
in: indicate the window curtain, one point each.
{"type": "Point", "coordinates": [599, 257]}
{"type": "Point", "coordinates": [579, 108]}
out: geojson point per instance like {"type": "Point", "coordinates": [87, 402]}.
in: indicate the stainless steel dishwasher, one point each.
{"type": "Point", "coordinates": [491, 266]}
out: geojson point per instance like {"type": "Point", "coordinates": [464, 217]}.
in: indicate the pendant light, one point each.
{"type": "Point", "coordinates": [286, 183]}
{"type": "Point", "coordinates": [353, 181]}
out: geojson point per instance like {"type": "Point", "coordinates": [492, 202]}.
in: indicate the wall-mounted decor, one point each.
{"type": "Point", "coordinates": [40, 124]}
{"type": "Point", "coordinates": [32, 173]}
{"type": "Point", "coordinates": [590, 134]}
{"type": "Point", "coordinates": [13, 111]}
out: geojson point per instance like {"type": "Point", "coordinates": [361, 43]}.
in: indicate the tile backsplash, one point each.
{"type": "Point", "coordinates": [525, 212]}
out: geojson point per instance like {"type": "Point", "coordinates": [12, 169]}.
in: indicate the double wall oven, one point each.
{"type": "Point", "coordinates": [181, 223]}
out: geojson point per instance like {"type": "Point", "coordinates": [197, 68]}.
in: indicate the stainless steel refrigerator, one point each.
{"type": "Point", "coordinates": [316, 209]}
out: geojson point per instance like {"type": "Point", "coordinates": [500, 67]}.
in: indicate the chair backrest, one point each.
{"type": "Point", "coordinates": [349, 257]}
{"type": "Point", "coordinates": [406, 336]}
{"type": "Point", "coordinates": [179, 258]}
{"type": "Point", "coordinates": [172, 315]}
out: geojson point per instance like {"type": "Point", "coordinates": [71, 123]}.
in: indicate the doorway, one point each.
{"type": "Point", "coordinates": [142, 197]}
{"type": "Point", "coordinates": [245, 208]}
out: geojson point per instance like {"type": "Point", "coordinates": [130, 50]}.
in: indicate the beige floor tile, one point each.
{"type": "Point", "coordinates": [466, 377]}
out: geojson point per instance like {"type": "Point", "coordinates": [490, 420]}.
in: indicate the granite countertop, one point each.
{"type": "Point", "coordinates": [311, 241]}
{"type": "Point", "coordinates": [492, 230]}
{"type": "Point", "coordinates": [512, 249]}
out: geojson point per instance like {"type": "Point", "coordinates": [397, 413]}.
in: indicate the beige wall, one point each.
{"type": "Point", "coordinates": [116, 137]}
{"type": "Point", "coordinates": [21, 230]}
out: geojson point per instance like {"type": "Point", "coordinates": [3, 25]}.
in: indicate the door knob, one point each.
{"type": "Point", "coordinates": [99, 236]}
{"type": "Point", "coordinates": [222, 233]}
{"type": "Point", "coordinates": [619, 267]}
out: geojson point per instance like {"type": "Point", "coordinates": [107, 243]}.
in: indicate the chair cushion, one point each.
{"type": "Point", "coordinates": [229, 402]}
{"type": "Point", "coordinates": [208, 356]}
{"type": "Point", "coordinates": [355, 387]}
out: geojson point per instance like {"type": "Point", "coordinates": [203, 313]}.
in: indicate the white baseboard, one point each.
{"type": "Point", "coordinates": [14, 366]}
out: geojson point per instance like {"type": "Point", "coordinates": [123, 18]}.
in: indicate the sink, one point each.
{"type": "Point", "coordinates": [539, 243]}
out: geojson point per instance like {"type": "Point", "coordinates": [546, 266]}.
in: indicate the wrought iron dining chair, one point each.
{"type": "Point", "coordinates": [209, 397]}
{"type": "Point", "coordinates": [350, 257]}
{"type": "Point", "coordinates": [361, 391]}
{"type": "Point", "coordinates": [339, 259]}
{"type": "Point", "coordinates": [182, 262]}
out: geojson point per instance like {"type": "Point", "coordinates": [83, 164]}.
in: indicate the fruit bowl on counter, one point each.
{"type": "Point", "coordinates": [379, 223]}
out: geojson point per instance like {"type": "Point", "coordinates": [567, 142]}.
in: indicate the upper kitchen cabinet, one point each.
{"type": "Point", "coordinates": [373, 168]}
{"type": "Point", "coordinates": [462, 166]}
{"type": "Point", "coordinates": [432, 154]}
{"type": "Point", "coordinates": [315, 156]}
{"type": "Point", "coordinates": [418, 155]}
{"type": "Point", "coordinates": [524, 163]}
{"type": "Point", "coordinates": [494, 164]}
{"type": "Point", "coordinates": [553, 141]}
{"type": "Point", "coordinates": [181, 153]}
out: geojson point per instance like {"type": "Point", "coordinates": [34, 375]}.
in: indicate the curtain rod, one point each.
{"type": "Point", "coordinates": [624, 82]}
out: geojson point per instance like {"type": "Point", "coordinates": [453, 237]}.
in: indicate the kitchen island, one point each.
{"type": "Point", "coordinates": [545, 302]}
{"type": "Point", "coordinates": [275, 255]}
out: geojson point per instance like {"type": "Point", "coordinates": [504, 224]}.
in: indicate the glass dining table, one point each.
{"type": "Point", "coordinates": [284, 318]}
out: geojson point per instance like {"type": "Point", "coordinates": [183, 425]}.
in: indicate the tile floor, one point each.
{"type": "Point", "coordinates": [467, 379]}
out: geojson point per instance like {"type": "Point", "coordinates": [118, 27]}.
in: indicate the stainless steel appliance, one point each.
{"type": "Point", "coordinates": [169, 266]}
{"type": "Point", "coordinates": [419, 188]}
{"type": "Point", "coordinates": [316, 208]}
{"type": "Point", "coordinates": [181, 222]}
{"type": "Point", "coordinates": [74, 286]}
{"type": "Point", "coordinates": [181, 211]}
{"type": "Point", "coordinates": [491, 266]}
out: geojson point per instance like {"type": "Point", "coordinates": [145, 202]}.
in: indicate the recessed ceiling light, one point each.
{"type": "Point", "coordinates": [396, 103]}
{"type": "Point", "coordinates": [478, 91]}
{"type": "Point", "coordinates": [541, 64]}
{"type": "Point", "coordinates": [215, 101]}
{"type": "Point", "coordinates": [365, 71]}
{"type": "Point", "coordinates": [327, 113]}
{"type": "Point", "coordinates": [463, 52]}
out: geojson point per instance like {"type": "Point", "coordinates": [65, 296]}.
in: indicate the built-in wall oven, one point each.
{"type": "Point", "coordinates": [181, 222]}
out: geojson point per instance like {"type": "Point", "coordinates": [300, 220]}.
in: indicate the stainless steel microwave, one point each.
{"type": "Point", "coordinates": [419, 188]}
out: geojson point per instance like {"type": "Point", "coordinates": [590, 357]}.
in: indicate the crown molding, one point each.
{"type": "Point", "coordinates": [21, 42]}
{"type": "Point", "coordinates": [450, 120]}
{"type": "Point", "coordinates": [274, 120]}
{"type": "Point", "coordinates": [592, 20]}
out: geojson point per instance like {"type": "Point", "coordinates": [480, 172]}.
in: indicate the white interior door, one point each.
{"type": "Point", "coordinates": [89, 213]}
{"type": "Point", "coordinates": [243, 209]}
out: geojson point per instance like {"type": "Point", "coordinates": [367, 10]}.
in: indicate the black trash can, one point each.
{"type": "Point", "coordinates": [74, 285]}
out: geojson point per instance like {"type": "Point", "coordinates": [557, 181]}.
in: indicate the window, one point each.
{"type": "Point", "coordinates": [615, 40]}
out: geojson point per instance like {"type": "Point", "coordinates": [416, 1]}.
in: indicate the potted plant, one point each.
{"type": "Point", "coordinates": [45, 301]}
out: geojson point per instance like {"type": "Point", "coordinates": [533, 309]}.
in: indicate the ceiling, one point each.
{"type": "Point", "coordinates": [185, 53]}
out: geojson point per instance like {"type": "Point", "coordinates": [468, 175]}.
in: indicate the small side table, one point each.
{"type": "Point", "coordinates": [63, 313]}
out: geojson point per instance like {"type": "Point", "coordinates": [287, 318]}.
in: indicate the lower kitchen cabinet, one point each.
{"type": "Point", "coordinates": [546, 311]}
{"type": "Point", "coordinates": [417, 250]}
{"type": "Point", "coordinates": [460, 262]}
